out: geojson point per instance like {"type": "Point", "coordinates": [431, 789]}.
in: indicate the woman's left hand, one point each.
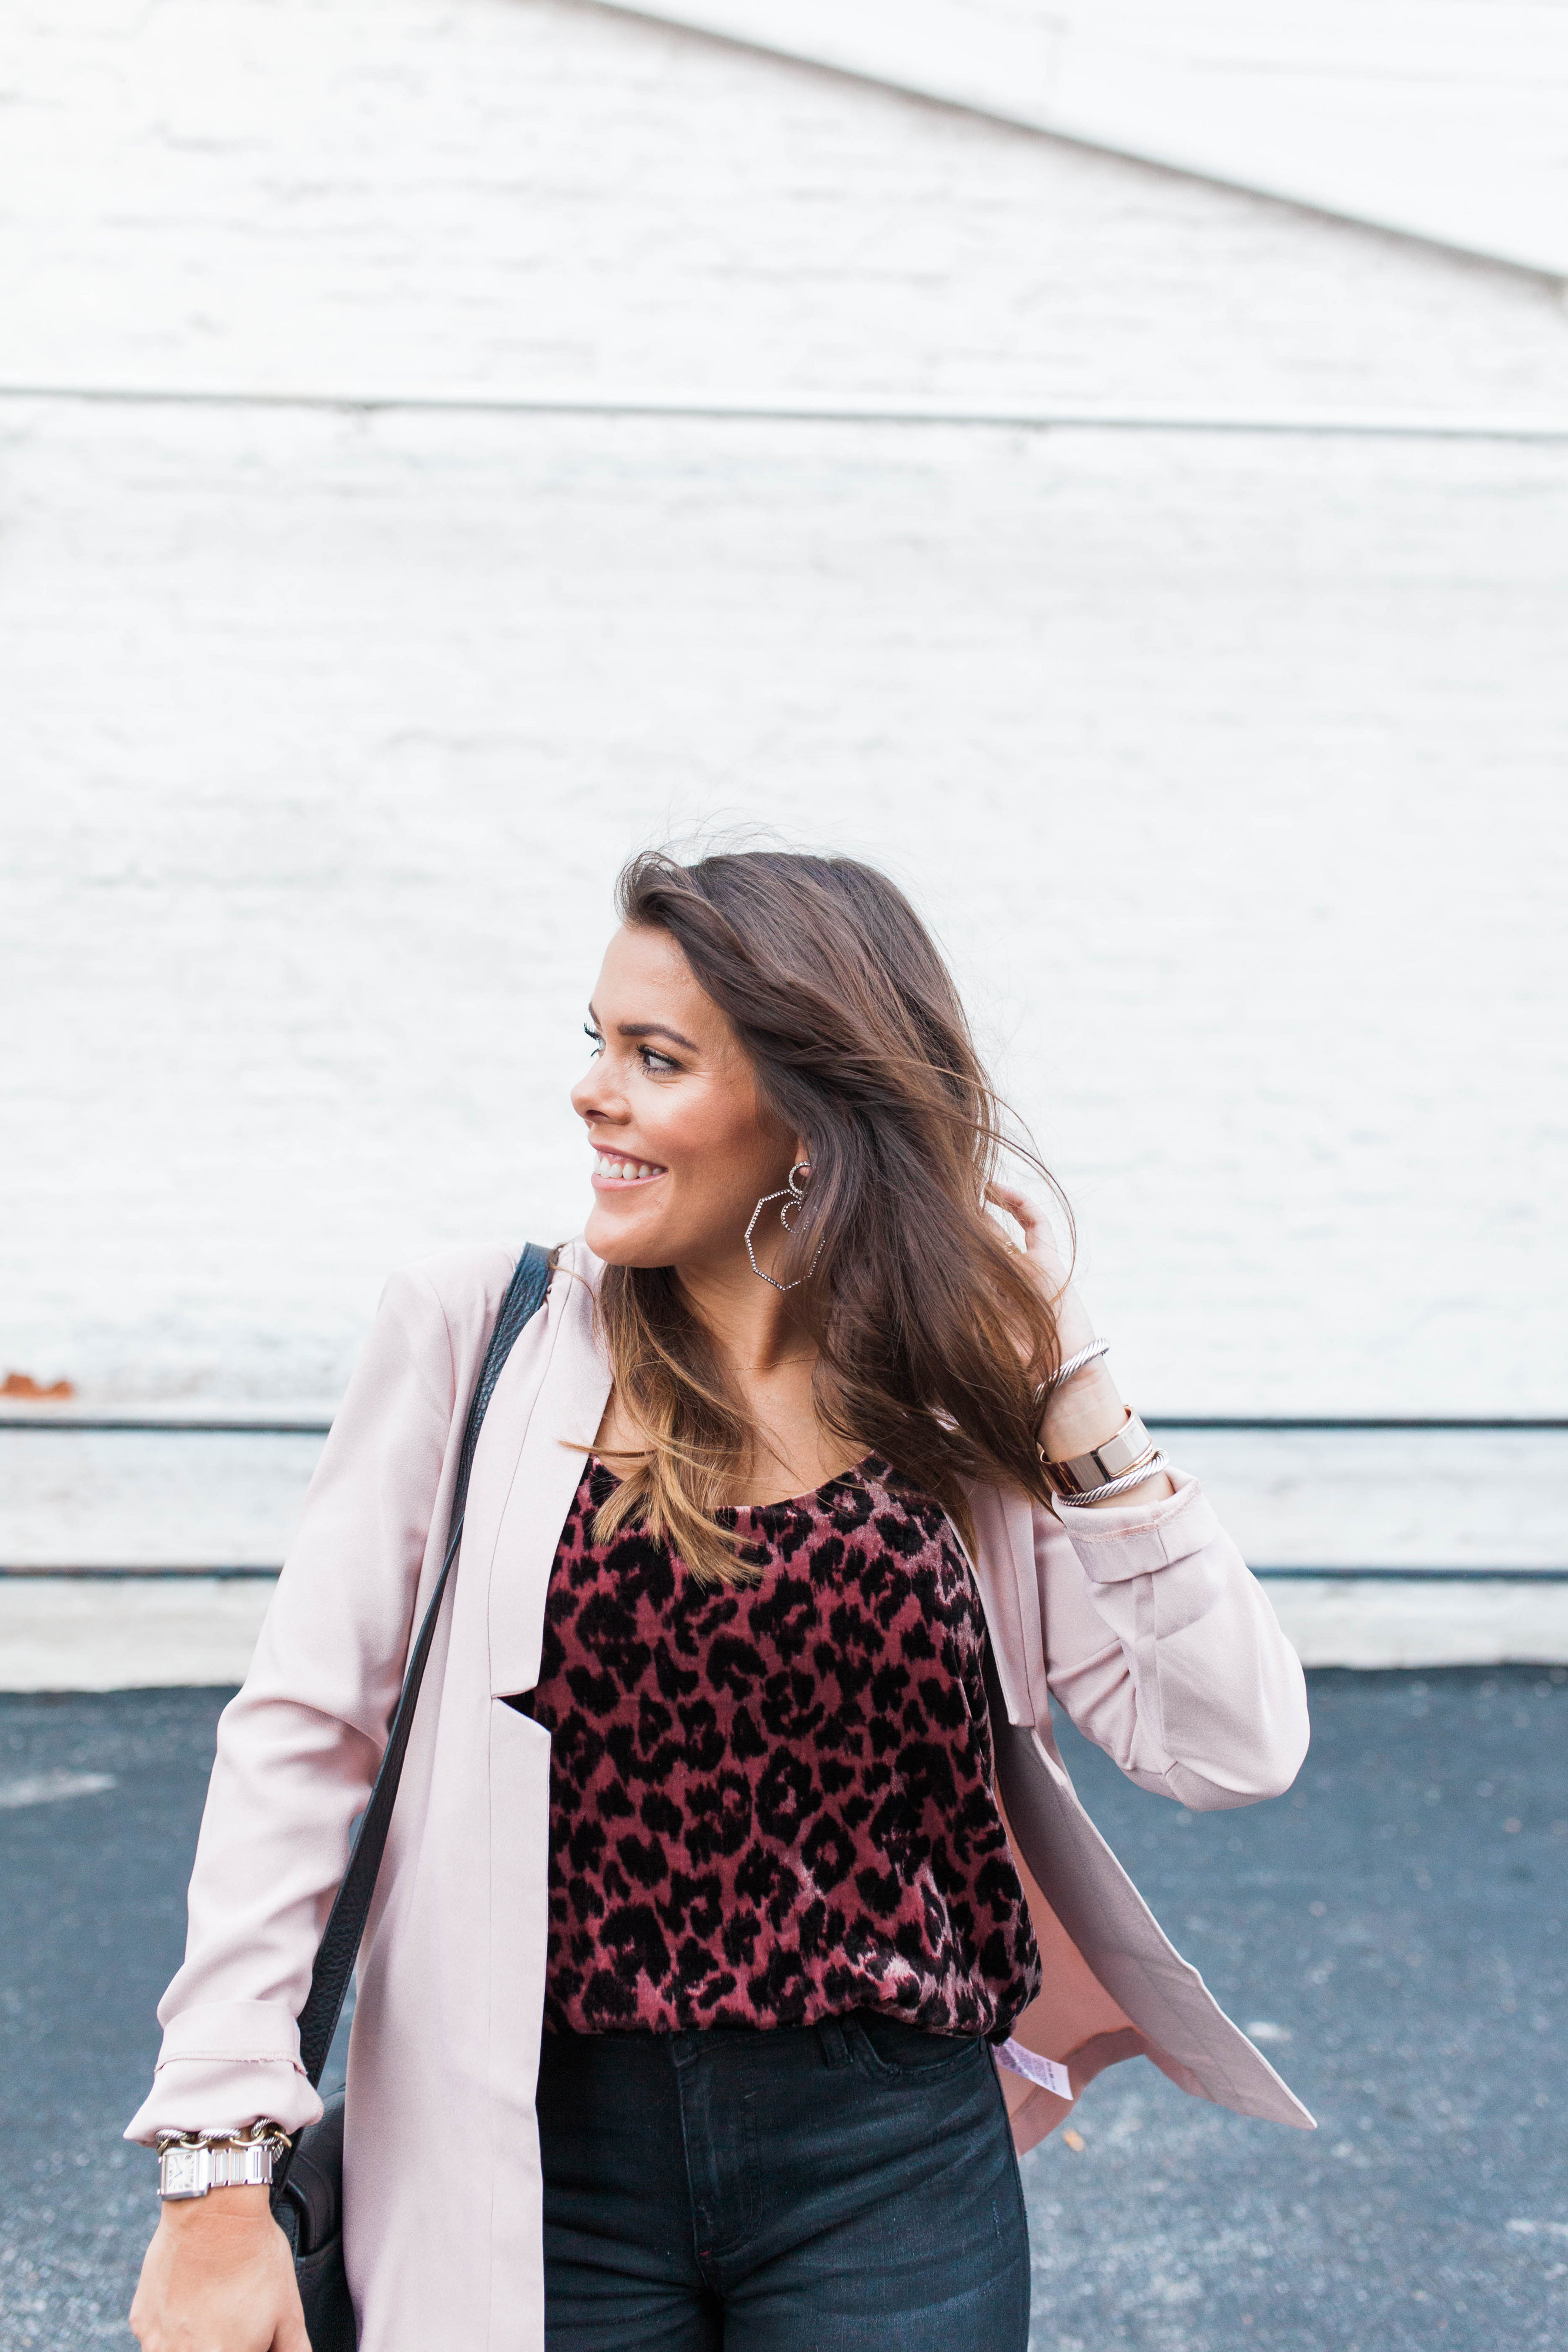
{"type": "Point", "coordinates": [1046, 1264]}
{"type": "Point", "coordinates": [1089, 1409]}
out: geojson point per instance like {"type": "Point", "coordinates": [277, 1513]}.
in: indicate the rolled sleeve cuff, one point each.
{"type": "Point", "coordinates": [225, 2065]}
{"type": "Point", "coordinates": [1124, 1540]}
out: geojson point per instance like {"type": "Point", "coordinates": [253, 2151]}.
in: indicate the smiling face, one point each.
{"type": "Point", "coordinates": [682, 1149]}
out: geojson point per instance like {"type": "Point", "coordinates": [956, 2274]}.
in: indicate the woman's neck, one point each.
{"type": "Point", "coordinates": [755, 1327]}
{"type": "Point", "coordinates": [769, 1361]}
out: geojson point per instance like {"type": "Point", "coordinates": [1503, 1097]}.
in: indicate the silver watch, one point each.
{"type": "Point", "coordinates": [190, 2163]}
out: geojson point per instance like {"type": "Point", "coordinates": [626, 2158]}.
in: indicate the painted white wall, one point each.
{"type": "Point", "coordinates": [1229, 766]}
{"type": "Point", "coordinates": [61, 1632]}
{"type": "Point", "coordinates": [1358, 1500]}
{"type": "Point", "coordinates": [534, 198]}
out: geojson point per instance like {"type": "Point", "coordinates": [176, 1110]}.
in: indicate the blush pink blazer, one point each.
{"type": "Point", "coordinates": [1141, 1620]}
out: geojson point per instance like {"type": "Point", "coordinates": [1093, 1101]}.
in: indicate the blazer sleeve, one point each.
{"type": "Point", "coordinates": [299, 1745]}
{"type": "Point", "coordinates": [1163, 1649]}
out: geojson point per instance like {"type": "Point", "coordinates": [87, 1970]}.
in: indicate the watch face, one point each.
{"type": "Point", "coordinates": [182, 2171]}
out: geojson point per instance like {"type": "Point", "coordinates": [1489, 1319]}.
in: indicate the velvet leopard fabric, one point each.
{"type": "Point", "coordinates": [771, 1803]}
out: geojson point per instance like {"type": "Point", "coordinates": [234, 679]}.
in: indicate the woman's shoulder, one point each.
{"type": "Point", "coordinates": [475, 1272]}
{"type": "Point", "coordinates": [459, 1290]}
{"type": "Point", "coordinates": [433, 1314]}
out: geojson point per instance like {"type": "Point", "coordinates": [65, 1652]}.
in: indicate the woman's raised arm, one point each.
{"type": "Point", "coordinates": [1160, 1643]}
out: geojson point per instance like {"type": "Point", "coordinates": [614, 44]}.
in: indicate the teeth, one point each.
{"type": "Point", "coordinates": [626, 1172]}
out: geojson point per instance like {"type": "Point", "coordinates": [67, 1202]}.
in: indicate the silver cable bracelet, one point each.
{"type": "Point", "coordinates": [1064, 1372]}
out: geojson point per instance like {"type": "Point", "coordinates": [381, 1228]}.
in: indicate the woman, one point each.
{"type": "Point", "coordinates": [702, 1927]}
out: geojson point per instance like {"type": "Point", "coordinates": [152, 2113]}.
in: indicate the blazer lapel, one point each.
{"type": "Point", "coordinates": [550, 1420]}
{"type": "Point", "coordinates": [1004, 1569]}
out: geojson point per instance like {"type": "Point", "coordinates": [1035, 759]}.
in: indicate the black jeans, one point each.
{"type": "Point", "coordinates": [849, 2187]}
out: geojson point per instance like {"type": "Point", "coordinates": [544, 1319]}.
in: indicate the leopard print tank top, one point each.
{"type": "Point", "coordinates": [773, 1803]}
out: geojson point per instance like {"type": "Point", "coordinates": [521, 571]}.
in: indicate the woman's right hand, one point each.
{"type": "Point", "coordinates": [219, 2277]}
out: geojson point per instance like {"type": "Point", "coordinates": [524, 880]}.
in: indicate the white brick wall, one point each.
{"type": "Point", "coordinates": [1230, 767]}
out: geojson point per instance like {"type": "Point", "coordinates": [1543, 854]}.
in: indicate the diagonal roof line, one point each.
{"type": "Point", "coordinates": [935, 65]}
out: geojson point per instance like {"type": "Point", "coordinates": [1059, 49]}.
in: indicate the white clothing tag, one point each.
{"type": "Point", "coordinates": [1046, 2071]}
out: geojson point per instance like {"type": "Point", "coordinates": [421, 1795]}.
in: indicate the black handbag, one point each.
{"type": "Point", "coordinates": [308, 2184]}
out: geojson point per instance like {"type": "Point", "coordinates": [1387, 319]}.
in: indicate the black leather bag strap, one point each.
{"type": "Point", "coordinates": [339, 1944]}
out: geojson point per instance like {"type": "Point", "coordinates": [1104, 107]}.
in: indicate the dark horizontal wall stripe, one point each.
{"type": "Point", "coordinates": [1309, 1422]}
{"type": "Point", "coordinates": [178, 1572]}
{"type": "Point", "coordinates": [128, 1425]}
{"type": "Point", "coordinates": [1510, 1576]}
{"type": "Point", "coordinates": [123, 1423]}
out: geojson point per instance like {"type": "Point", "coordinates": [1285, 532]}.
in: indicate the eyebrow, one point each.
{"type": "Point", "coordinates": [646, 1029]}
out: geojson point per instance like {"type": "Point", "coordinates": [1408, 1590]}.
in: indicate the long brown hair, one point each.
{"type": "Point", "coordinates": [932, 1336]}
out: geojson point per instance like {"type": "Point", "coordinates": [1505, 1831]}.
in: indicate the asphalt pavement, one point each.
{"type": "Point", "coordinates": [1393, 1930]}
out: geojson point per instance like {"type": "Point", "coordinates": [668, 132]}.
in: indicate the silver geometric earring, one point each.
{"type": "Point", "coordinates": [792, 1198]}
